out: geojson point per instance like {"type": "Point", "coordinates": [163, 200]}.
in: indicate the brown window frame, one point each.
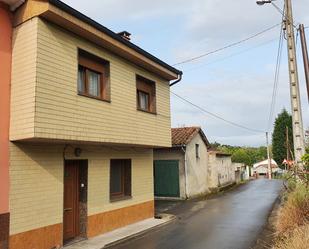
{"type": "Point", "coordinates": [91, 63]}
{"type": "Point", "coordinates": [148, 87]}
{"type": "Point", "coordinates": [126, 179]}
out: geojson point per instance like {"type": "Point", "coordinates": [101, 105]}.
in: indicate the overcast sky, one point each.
{"type": "Point", "coordinates": [235, 83]}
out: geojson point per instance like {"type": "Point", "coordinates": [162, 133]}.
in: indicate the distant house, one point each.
{"type": "Point", "coordinates": [261, 168]}
{"type": "Point", "coordinates": [242, 172]}
{"type": "Point", "coordinates": [221, 171]}
{"type": "Point", "coordinates": [181, 171]}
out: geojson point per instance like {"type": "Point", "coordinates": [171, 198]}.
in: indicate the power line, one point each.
{"type": "Point", "coordinates": [283, 14]}
{"type": "Point", "coordinates": [276, 78]}
{"type": "Point", "coordinates": [217, 116]}
{"type": "Point", "coordinates": [227, 46]}
{"type": "Point", "coordinates": [230, 56]}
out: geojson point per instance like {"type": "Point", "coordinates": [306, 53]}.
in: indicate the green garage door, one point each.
{"type": "Point", "coordinates": [166, 178]}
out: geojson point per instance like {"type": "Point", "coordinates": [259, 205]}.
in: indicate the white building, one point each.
{"type": "Point", "coordinates": [181, 171]}
{"type": "Point", "coordinates": [261, 168]}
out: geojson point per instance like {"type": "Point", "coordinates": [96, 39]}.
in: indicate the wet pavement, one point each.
{"type": "Point", "coordinates": [232, 220]}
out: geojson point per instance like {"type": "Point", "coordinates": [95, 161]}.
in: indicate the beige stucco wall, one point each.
{"type": "Point", "coordinates": [212, 171]}
{"type": "Point", "coordinates": [221, 170]}
{"type": "Point", "coordinates": [36, 176]}
{"type": "Point", "coordinates": [59, 113]}
{"type": "Point", "coordinates": [196, 168]}
{"type": "Point", "coordinates": [174, 154]}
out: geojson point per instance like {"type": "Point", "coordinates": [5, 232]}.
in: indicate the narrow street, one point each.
{"type": "Point", "coordinates": [229, 221]}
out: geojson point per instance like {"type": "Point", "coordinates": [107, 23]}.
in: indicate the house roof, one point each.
{"type": "Point", "coordinates": [61, 5]}
{"type": "Point", "coordinates": [265, 163]}
{"type": "Point", "coordinates": [68, 18]}
{"type": "Point", "coordinates": [183, 136]}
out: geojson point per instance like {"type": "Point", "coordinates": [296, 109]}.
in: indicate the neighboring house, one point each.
{"type": "Point", "coordinates": [221, 171]}
{"type": "Point", "coordinates": [242, 172]}
{"type": "Point", "coordinates": [87, 107]}
{"type": "Point", "coordinates": [181, 171]}
{"type": "Point", "coordinates": [261, 168]}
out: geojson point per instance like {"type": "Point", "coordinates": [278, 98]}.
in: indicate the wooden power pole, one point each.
{"type": "Point", "coordinates": [305, 55]}
{"type": "Point", "coordinates": [268, 157]}
{"type": "Point", "coordinates": [298, 132]}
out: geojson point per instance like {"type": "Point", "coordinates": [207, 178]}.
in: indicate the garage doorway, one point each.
{"type": "Point", "coordinates": [166, 178]}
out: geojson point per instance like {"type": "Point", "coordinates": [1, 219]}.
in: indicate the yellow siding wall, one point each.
{"type": "Point", "coordinates": [36, 171]}
{"type": "Point", "coordinates": [36, 186]}
{"type": "Point", "coordinates": [23, 80]}
{"type": "Point", "coordinates": [61, 114]}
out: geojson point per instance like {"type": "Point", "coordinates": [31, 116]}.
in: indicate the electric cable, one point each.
{"type": "Point", "coordinates": [276, 78]}
{"type": "Point", "coordinates": [217, 116]}
{"type": "Point", "coordinates": [227, 46]}
{"type": "Point", "coordinates": [229, 56]}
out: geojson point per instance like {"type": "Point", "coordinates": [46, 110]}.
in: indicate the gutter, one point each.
{"type": "Point", "coordinates": [178, 80]}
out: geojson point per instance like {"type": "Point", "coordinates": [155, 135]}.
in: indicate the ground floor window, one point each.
{"type": "Point", "coordinates": [120, 178]}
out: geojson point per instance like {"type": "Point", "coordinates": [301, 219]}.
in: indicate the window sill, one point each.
{"type": "Point", "coordinates": [93, 97]}
{"type": "Point", "coordinates": [120, 198]}
{"type": "Point", "coordinates": [153, 113]}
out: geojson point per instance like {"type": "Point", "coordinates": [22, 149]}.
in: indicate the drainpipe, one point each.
{"type": "Point", "coordinates": [186, 173]}
{"type": "Point", "coordinates": [178, 80]}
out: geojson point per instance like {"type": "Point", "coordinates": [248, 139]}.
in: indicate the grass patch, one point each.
{"type": "Point", "coordinates": [293, 221]}
{"type": "Point", "coordinates": [298, 239]}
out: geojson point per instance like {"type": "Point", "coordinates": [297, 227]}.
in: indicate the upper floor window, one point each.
{"type": "Point", "coordinates": [93, 76]}
{"type": "Point", "coordinates": [197, 150]}
{"type": "Point", "coordinates": [145, 94]}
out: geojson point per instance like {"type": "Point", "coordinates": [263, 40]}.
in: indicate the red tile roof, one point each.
{"type": "Point", "coordinates": [182, 136]}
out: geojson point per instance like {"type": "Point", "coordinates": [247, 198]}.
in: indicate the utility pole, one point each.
{"type": "Point", "coordinates": [305, 55]}
{"type": "Point", "coordinates": [287, 144]}
{"type": "Point", "coordinates": [287, 147]}
{"type": "Point", "coordinates": [268, 157]}
{"type": "Point", "coordinates": [298, 133]}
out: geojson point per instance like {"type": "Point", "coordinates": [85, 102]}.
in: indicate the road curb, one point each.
{"type": "Point", "coordinates": [168, 219]}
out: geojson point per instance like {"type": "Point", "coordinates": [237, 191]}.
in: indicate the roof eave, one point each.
{"type": "Point", "coordinates": [72, 20]}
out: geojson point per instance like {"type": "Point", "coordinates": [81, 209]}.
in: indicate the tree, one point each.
{"type": "Point", "coordinates": [279, 145]}
{"type": "Point", "coordinates": [241, 156]}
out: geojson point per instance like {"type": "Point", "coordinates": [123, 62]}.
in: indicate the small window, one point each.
{"type": "Point", "coordinates": [120, 178]}
{"type": "Point", "coordinates": [146, 95]}
{"type": "Point", "coordinates": [197, 150]}
{"type": "Point", "coordinates": [93, 76]}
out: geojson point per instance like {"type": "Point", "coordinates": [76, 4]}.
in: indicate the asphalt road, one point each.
{"type": "Point", "coordinates": [232, 220]}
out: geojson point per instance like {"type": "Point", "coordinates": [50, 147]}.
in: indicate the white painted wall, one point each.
{"type": "Point", "coordinates": [196, 168]}
{"type": "Point", "coordinates": [221, 170]}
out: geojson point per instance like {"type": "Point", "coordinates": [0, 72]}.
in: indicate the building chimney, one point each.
{"type": "Point", "coordinates": [125, 35]}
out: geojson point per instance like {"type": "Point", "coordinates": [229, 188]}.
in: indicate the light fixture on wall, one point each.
{"type": "Point", "coordinates": [77, 151]}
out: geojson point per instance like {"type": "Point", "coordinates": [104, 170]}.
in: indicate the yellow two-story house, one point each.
{"type": "Point", "coordinates": [87, 108]}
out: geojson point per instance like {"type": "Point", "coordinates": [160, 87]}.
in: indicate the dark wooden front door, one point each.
{"type": "Point", "coordinates": [70, 201]}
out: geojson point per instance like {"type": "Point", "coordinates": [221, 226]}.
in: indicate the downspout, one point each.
{"type": "Point", "coordinates": [178, 80]}
{"type": "Point", "coordinates": [185, 165]}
